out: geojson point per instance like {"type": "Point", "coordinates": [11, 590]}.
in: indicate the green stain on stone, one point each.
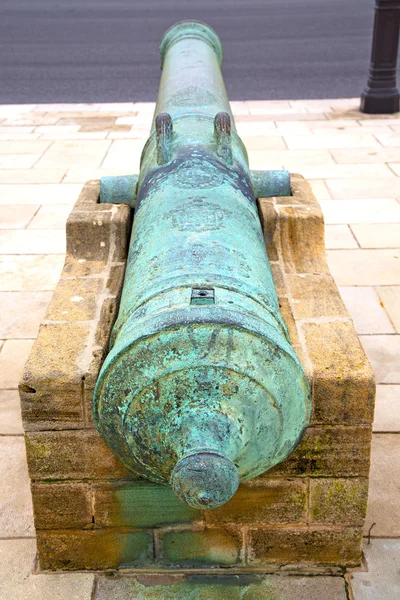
{"type": "Point", "coordinates": [200, 587]}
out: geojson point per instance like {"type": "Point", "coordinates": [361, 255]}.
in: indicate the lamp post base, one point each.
{"type": "Point", "coordinates": [383, 101]}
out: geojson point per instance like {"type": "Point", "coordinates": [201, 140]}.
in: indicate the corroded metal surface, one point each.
{"type": "Point", "coordinates": [201, 387]}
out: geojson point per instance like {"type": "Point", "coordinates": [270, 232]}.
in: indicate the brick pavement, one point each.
{"type": "Point", "coordinates": [353, 162]}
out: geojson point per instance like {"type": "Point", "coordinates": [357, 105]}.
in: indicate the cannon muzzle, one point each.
{"type": "Point", "coordinates": [201, 388]}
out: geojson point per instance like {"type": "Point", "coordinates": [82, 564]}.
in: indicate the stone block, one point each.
{"type": "Point", "coordinates": [51, 385]}
{"type": "Point", "coordinates": [339, 451]}
{"type": "Point", "coordinates": [139, 504]}
{"type": "Point", "coordinates": [71, 454]}
{"type": "Point", "coordinates": [315, 296]}
{"type": "Point", "coordinates": [87, 235]}
{"type": "Point", "coordinates": [259, 502]}
{"type": "Point", "coordinates": [75, 299]}
{"type": "Point", "coordinates": [287, 314]}
{"type": "Point", "coordinates": [302, 239]}
{"type": "Point", "coordinates": [305, 546]}
{"type": "Point", "coordinates": [201, 548]}
{"type": "Point", "coordinates": [62, 505]}
{"type": "Point", "coordinates": [334, 501]}
{"type": "Point", "coordinates": [269, 217]}
{"type": "Point", "coordinates": [344, 385]}
{"type": "Point", "coordinates": [97, 549]}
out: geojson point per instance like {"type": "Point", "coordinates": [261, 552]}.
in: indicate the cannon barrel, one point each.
{"type": "Point", "coordinates": [201, 388]}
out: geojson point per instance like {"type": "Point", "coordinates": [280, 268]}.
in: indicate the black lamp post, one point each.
{"type": "Point", "coordinates": [381, 94]}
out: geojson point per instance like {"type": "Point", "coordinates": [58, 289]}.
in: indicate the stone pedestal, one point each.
{"type": "Point", "coordinates": [92, 513]}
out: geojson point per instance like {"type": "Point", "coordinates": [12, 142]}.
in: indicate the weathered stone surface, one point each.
{"type": "Point", "coordinates": [338, 501]}
{"type": "Point", "coordinates": [75, 299]}
{"type": "Point", "coordinates": [302, 239]}
{"type": "Point", "coordinates": [315, 296]}
{"type": "Point", "coordinates": [278, 279]}
{"type": "Point", "coordinates": [55, 358]}
{"type": "Point", "coordinates": [62, 505]}
{"type": "Point", "coordinates": [287, 314]}
{"type": "Point", "coordinates": [249, 586]}
{"type": "Point", "coordinates": [71, 454]}
{"type": "Point", "coordinates": [97, 549]}
{"type": "Point", "coordinates": [340, 547]}
{"type": "Point", "coordinates": [269, 501]}
{"type": "Point", "coordinates": [201, 548]}
{"type": "Point", "coordinates": [139, 504]}
{"type": "Point", "coordinates": [269, 217]}
{"type": "Point", "coordinates": [344, 386]}
{"type": "Point", "coordinates": [88, 235]}
{"type": "Point", "coordinates": [17, 580]}
{"type": "Point", "coordinates": [328, 451]}
{"type": "Point", "coordinates": [51, 385]}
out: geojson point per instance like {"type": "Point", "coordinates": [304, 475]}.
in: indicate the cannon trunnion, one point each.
{"type": "Point", "coordinates": [201, 388]}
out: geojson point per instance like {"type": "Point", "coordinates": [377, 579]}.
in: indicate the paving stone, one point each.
{"type": "Point", "coordinates": [320, 190]}
{"type": "Point", "coordinates": [382, 580]}
{"type": "Point", "coordinates": [378, 236]}
{"type": "Point", "coordinates": [383, 352]}
{"type": "Point", "coordinates": [77, 175]}
{"type": "Point", "coordinates": [48, 193]}
{"type": "Point", "coordinates": [31, 175]}
{"type": "Point", "coordinates": [16, 515]}
{"type": "Point", "coordinates": [390, 299]}
{"type": "Point", "coordinates": [70, 153]}
{"type": "Point", "coordinates": [389, 139]}
{"type": "Point", "coordinates": [363, 140]}
{"type": "Point", "coordinates": [219, 587]}
{"type": "Point", "coordinates": [30, 272]}
{"type": "Point", "coordinates": [33, 241]}
{"type": "Point", "coordinates": [13, 356]}
{"type": "Point", "coordinates": [340, 171]}
{"type": "Point", "coordinates": [17, 216]}
{"type": "Point", "coordinates": [364, 267]}
{"type": "Point", "coordinates": [387, 408]}
{"type": "Point", "coordinates": [384, 487]}
{"type": "Point", "coordinates": [74, 136]}
{"type": "Point", "coordinates": [129, 162]}
{"type": "Point", "coordinates": [17, 581]}
{"type": "Point", "coordinates": [10, 413]}
{"type": "Point", "coordinates": [384, 210]}
{"type": "Point", "coordinates": [18, 161]}
{"type": "Point", "coordinates": [366, 155]}
{"type": "Point", "coordinates": [395, 167]}
{"type": "Point", "coordinates": [271, 141]}
{"type": "Point", "coordinates": [367, 187]}
{"type": "Point", "coordinates": [22, 313]}
{"type": "Point", "coordinates": [51, 217]}
{"type": "Point", "coordinates": [84, 108]}
{"type": "Point", "coordinates": [339, 237]}
{"type": "Point", "coordinates": [10, 147]}
{"type": "Point", "coordinates": [366, 310]}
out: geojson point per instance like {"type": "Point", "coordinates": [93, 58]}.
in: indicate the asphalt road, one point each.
{"type": "Point", "coordinates": [107, 50]}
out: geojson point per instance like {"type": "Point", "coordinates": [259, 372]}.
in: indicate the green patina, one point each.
{"type": "Point", "coordinates": [201, 387]}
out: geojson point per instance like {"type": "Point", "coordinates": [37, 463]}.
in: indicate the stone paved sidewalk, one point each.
{"type": "Point", "coordinates": [353, 162]}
